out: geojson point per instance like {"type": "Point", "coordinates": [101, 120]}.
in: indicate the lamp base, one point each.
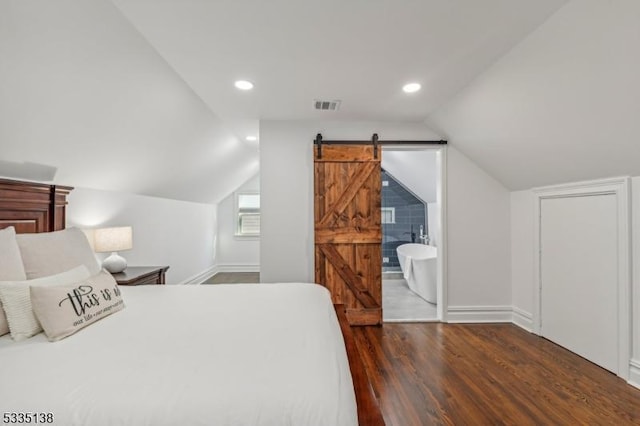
{"type": "Point", "coordinates": [114, 263]}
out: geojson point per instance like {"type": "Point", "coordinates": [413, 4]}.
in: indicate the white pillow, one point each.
{"type": "Point", "coordinates": [51, 253]}
{"type": "Point", "coordinates": [16, 300]}
{"type": "Point", "coordinates": [65, 309]}
{"type": "Point", "coordinates": [11, 268]}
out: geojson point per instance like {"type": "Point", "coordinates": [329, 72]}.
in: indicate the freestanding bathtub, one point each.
{"type": "Point", "coordinates": [419, 267]}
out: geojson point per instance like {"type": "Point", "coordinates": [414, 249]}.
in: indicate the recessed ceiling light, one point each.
{"type": "Point", "coordinates": [243, 85]}
{"type": "Point", "coordinates": [411, 87]}
{"type": "Point", "coordinates": [251, 138]}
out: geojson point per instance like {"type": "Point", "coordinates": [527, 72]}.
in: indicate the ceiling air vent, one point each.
{"type": "Point", "coordinates": [326, 105]}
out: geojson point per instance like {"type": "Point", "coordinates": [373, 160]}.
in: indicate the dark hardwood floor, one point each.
{"type": "Point", "coordinates": [488, 374]}
{"type": "Point", "coordinates": [234, 278]}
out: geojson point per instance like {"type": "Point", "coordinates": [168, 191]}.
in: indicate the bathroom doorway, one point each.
{"type": "Point", "coordinates": [412, 233]}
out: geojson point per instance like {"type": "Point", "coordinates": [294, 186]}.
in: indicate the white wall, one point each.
{"type": "Point", "coordinates": [478, 242]}
{"type": "Point", "coordinates": [165, 232]}
{"type": "Point", "coordinates": [236, 253]}
{"type": "Point", "coordinates": [286, 178]}
{"type": "Point", "coordinates": [522, 257]}
{"type": "Point", "coordinates": [478, 212]}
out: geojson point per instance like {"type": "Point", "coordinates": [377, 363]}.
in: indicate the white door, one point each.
{"type": "Point", "coordinates": [578, 271]}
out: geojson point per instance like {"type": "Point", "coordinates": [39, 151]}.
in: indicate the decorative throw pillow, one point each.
{"type": "Point", "coordinates": [16, 300]}
{"type": "Point", "coordinates": [11, 268]}
{"type": "Point", "coordinates": [50, 253]}
{"type": "Point", "coordinates": [65, 309]}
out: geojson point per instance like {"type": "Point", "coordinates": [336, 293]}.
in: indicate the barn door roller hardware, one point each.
{"type": "Point", "coordinates": [374, 141]}
{"type": "Point", "coordinates": [318, 142]}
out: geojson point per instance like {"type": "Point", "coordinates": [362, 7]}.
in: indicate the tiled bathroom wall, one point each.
{"type": "Point", "coordinates": [405, 213]}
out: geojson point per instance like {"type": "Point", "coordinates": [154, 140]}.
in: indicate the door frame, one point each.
{"type": "Point", "coordinates": [441, 232]}
{"type": "Point", "coordinates": [620, 187]}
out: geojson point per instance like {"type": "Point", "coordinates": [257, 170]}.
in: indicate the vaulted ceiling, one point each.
{"type": "Point", "coordinates": [138, 96]}
{"type": "Point", "coordinates": [562, 106]}
{"type": "Point", "coordinates": [360, 52]}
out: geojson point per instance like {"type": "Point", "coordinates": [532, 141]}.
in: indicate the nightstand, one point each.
{"type": "Point", "coordinates": [139, 275]}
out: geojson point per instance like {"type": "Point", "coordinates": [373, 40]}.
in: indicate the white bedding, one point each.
{"type": "Point", "coordinates": [268, 354]}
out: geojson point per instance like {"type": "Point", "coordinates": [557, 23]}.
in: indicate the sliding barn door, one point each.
{"type": "Point", "coordinates": [348, 258]}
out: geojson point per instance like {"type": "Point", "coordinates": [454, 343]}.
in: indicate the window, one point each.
{"type": "Point", "coordinates": [388, 215]}
{"type": "Point", "coordinates": [248, 214]}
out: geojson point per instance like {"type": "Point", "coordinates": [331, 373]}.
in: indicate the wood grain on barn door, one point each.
{"type": "Point", "coordinates": [348, 257]}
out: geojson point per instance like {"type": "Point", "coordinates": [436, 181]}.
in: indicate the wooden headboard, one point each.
{"type": "Point", "coordinates": [32, 207]}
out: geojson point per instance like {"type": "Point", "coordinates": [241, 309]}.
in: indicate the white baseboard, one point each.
{"type": "Point", "coordinates": [523, 319]}
{"type": "Point", "coordinates": [634, 373]}
{"type": "Point", "coordinates": [462, 314]}
{"type": "Point", "coordinates": [201, 277]}
{"type": "Point", "coordinates": [238, 267]}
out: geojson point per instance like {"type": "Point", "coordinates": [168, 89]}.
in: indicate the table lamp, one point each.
{"type": "Point", "coordinates": [113, 240]}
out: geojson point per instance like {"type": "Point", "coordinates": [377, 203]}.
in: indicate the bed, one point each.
{"type": "Point", "coordinates": [194, 355]}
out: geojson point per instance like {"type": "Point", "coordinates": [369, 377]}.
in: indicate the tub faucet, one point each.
{"type": "Point", "coordinates": [424, 238]}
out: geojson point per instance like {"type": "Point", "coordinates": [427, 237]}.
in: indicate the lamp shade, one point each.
{"type": "Point", "coordinates": [113, 239]}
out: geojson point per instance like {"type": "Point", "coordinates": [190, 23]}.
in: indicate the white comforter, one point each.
{"type": "Point", "coordinates": [269, 354]}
